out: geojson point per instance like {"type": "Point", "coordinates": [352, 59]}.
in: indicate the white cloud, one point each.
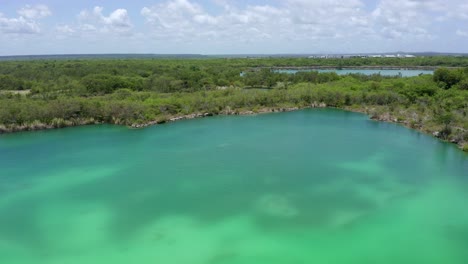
{"type": "Point", "coordinates": [183, 20]}
{"type": "Point", "coordinates": [18, 25]}
{"type": "Point", "coordinates": [34, 12]}
{"type": "Point", "coordinates": [461, 33]}
{"type": "Point", "coordinates": [87, 28]}
{"type": "Point", "coordinates": [302, 20]}
{"type": "Point", "coordinates": [417, 19]}
{"type": "Point", "coordinates": [117, 22]}
{"type": "Point", "coordinates": [27, 22]}
{"type": "Point", "coordinates": [232, 26]}
{"type": "Point", "coordinates": [65, 29]}
{"type": "Point", "coordinates": [453, 9]}
{"type": "Point", "coordinates": [462, 11]}
{"type": "Point", "coordinates": [93, 22]}
{"type": "Point", "coordinates": [405, 19]}
{"type": "Point", "coordinates": [118, 19]}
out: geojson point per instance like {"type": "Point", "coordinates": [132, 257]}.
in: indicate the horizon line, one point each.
{"type": "Point", "coordinates": [233, 54]}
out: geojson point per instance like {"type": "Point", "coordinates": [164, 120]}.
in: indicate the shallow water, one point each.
{"type": "Point", "coordinates": [401, 72]}
{"type": "Point", "coordinates": [313, 186]}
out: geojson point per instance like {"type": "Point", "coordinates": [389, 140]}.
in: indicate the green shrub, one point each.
{"type": "Point", "coordinates": [465, 147]}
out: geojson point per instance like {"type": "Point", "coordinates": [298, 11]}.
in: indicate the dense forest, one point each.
{"type": "Point", "coordinates": [40, 94]}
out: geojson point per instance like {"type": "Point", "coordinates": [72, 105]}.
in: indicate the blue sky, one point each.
{"type": "Point", "coordinates": [232, 27]}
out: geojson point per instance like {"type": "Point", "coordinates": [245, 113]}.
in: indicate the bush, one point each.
{"type": "Point", "coordinates": [106, 83]}
{"type": "Point", "coordinates": [122, 94]}
{"type": "Point", "coordinates": [447, 78]}
{"type": "Point", "coordinates": [58, 123]}
{"type": "Point", "coordinates": [465, 147]}
{"type": "Point", "coordinates": [463, 85]}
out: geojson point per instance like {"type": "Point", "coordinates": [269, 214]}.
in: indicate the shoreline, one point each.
{"type": "Point", "coordinates": [388, 118]}
{"type": "Point", "coordinates": [385, 117]}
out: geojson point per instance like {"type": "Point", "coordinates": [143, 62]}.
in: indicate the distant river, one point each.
{"type": "Point", "coordinates": [402, 72]}
{"type": "Point", "coordinates": [312, 186]}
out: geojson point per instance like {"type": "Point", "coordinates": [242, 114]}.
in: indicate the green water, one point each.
{"type": "Point", "coordinates": [313, 186]}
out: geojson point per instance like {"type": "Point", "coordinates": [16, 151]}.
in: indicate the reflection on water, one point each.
{"type": "Point", "coordinates": [313, 186]}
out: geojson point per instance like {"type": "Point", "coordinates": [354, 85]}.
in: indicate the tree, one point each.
{"type": "Point", "coordinates": [8, 82]}
{"type": "Point", "coordinates": [104, 83]}
{"type": "Point", "coordinates": [159, 83]}
{"type": "Point", "coordinates": [447, 78]}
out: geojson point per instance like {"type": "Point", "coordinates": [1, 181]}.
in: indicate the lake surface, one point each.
{"type": "Point", "coordinates": [401, 72]}
{"type": "Point", "coordinates": [312, 186]}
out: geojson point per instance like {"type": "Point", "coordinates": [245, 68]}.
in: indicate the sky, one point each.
{"type": "Point", "coordinates": [232, 27]}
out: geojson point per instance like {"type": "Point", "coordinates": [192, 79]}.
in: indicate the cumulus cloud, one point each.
{"type": "Point", "coordinates": [402, 18]}
{"type": "Point", "coordinates": [416, 18]}
{"type": "Point", "coordinates": [94, 21]}
{"type": "Point", "coordinates": [18, 25]}
{"type": "Point", "coordinates": [461, 11]}
{"type": "Point", "coordinates": [309, 25]}
{"type": "Point", "coordinates": [27, 22]}
{"type": "Point", "coordinates": [65, 29]}
{"type": "Point", "coordinates": [117, 21]}
{"type": "Point", "coordinates": [294, 19]}
{"type": "Point", "coordinates": [181, 20]}
{"type": "Point", "coordinates": [34, 12]}
{"type": "Point", "coordinates": [461, 33]}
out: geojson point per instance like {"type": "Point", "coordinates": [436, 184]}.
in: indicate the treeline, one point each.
{"type": "Point", "coordinates": [101, 77]}
{"type": "Point", "coordinates": [171, 75]}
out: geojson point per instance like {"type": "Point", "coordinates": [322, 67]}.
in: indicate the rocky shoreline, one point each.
{"type": "Point", "coordinates": [55, 124]}
{"type": "Point", "coordinates": [60, 123]}
{"type": "Point", "coordinates": [385, 117]}
{"type": "Point", "coordinates": [225, 112]}
{"type": "Point", "coordinates": [389, 118]}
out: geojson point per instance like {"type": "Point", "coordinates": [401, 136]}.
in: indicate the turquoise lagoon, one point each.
{"type": "Point", "coordinates": [312, 186]}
